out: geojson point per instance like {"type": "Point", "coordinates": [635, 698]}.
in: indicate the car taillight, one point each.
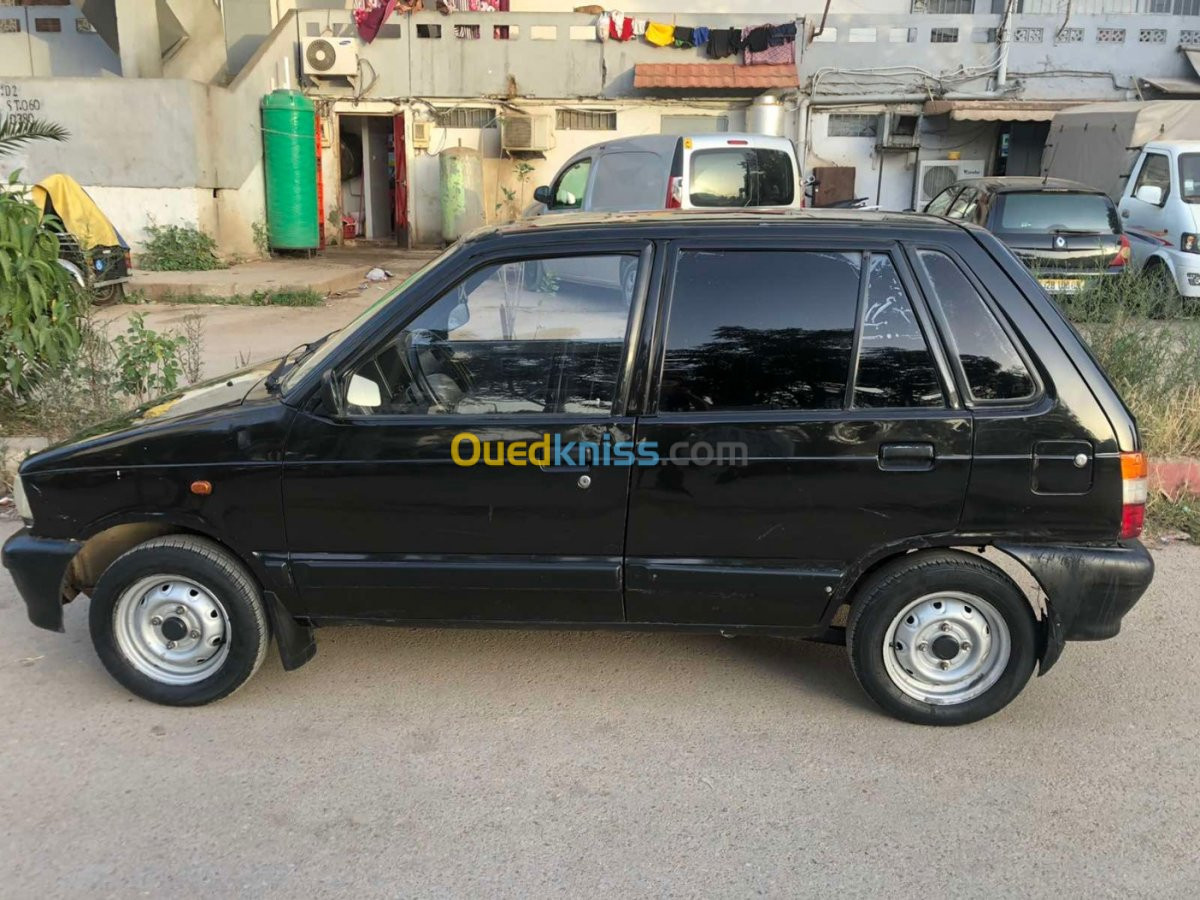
{"type": "Point", "coordinates": [675, 192]}
{"type": "Point", "coordinates": [128, 262]}
{"type": "Point", "coordinates": [1135, 489]}
{"type": "Point", "coordinates": [1122, 256]}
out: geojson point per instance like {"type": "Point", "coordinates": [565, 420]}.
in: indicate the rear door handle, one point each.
{"type": "Point", "coordinates": [906, 457]}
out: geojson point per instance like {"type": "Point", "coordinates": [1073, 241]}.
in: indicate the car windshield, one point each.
{"type": "Point", "coordinates": [335, 340]}
{"type": "Point", "coordinates": [741, 176]}
{"type": "Point", "coordinates": [1189, 177]}
{"type": "Point", "coordinates": [1052, 212]}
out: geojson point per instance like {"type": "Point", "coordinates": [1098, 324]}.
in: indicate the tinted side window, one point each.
{"type": "Point", "coordinates": [895, 367]}
{"type": "Point", "coordinates": [541, 336]}
{"type": "Point", "coordinates": [941, 203]}
{"type": "Point", "coordinates": [634, 180]}
{"type": "Point", "coordinates": [993, 367]}
{"type": "Point", "coordinates": [760, 330]}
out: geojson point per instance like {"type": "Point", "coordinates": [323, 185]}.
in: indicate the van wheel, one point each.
{"type": "Point", "coordinates": [1165, 301]}
{"type": "Point", "coordinates": [941, 638]}
{"type": "Point", "coordinates": [178, 620]}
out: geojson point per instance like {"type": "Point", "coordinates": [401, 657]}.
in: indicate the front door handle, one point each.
{"type": "Point", "coordinates": [906, 457]}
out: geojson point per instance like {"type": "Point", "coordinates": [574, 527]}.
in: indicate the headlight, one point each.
{"type": "Point", "coordinates": [22, 502]}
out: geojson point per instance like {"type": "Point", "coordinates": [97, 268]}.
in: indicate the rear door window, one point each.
{"type": "Point", "coordinates": [993, 368]}
{"type": "Point", "coordinates": [741, 176]}
{"type": "Point", "coordinates": [895, 367]}
{"type": "Point", "coordinates": [760, 330]}
{"type": "Point", "coordinates": [634, 180]}
{"type": "Point", "coordinates": [1057, 212]}
{"type": "Point", "coordinates": [941, 203]}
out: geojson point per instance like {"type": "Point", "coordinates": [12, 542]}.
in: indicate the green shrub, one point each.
{"type": "Point", "coordinates": [147, 362]}
{"type": "Point", "coordinates": [178, 248]}
{"type": "Point", "coordinates": [40, 303]}
{"type": "Point", "coordinates": [1153, 360]}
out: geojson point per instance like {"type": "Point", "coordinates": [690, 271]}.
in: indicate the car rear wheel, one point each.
{"type": "Point", "coordinates": [109, 295]}
{"type": "Point", "coordinates": [941, 638]}
{"type": "Point", "coordinates": [178, 620]}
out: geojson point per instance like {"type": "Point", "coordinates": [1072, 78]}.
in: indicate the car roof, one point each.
{"type": "Point", "coordinates": [1008, 184]}
{"type": "Point", "coordinates": [668, 220]}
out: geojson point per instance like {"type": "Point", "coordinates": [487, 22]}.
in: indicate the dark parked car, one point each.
{"type": "Point", "coordinates": [784, 420]}
{"type": "Point", "coordinates": [1069, 234]}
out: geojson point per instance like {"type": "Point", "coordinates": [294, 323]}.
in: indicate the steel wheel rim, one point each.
{"type": "Point", "coordinates": [171, 629]}
{"type": "Point", "coordinates": [917, 648]}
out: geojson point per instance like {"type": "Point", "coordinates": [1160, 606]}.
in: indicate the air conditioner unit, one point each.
{"type": "Point", "coordinates": [326, 56]}
{"type": "Point", "coordinates": [421, 135]}
{"type": "Point", "coordinates": [898, 131]}
{"type": "Point", "coordinates": [935, 175]}
{"type": "Point", "coordinates": [528, 133]}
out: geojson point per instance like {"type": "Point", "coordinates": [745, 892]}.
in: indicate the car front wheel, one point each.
{"type": "Point", "coordinates": [941, 638]}
{"type": "Point", "coordinates": [178, 620]}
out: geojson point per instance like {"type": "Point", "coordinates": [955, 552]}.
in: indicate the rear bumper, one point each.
{"type": "Point", "coordinates": [1089, 588]}
{"type": "Point", "coordinates": [38, 567]}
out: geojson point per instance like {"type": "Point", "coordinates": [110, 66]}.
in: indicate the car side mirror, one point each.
{"type": "Point", "coordinates": [363, 392]}
{"type": "Point", "coordinates": [1150, 193]}
{"type": "Point", "coordinates": [542, 195]}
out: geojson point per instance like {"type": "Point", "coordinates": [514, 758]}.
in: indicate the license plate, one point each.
{"type": "Point", "coordinates": [1062, 285]}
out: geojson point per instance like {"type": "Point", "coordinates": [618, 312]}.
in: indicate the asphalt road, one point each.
{"type": "Point", "coordinates": [475, 763]}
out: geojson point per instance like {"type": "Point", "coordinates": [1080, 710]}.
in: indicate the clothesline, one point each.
{"type": "Point", "coordinates": [758, 44]}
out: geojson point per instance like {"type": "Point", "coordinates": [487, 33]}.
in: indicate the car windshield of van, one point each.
{"type": "Point", "coordinates": [741, 176]}
{"type": "Point", "coordinates": [1058, 212]}
{"type": "Point", "coordinates": [1189, 177]}
{"type": "Point", "coordinates": [309, 360]}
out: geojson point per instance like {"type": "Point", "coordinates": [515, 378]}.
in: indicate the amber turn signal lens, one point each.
{"type": "Point", "coordinates": [1133, 465]}
{"type": "Point", "coordinates": [202, 488]}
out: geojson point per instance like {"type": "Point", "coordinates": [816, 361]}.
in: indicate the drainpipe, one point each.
{"type": "Point", "coordinates": [821, 28]}
{"type": "Point", "coordinates": [1005, 39]}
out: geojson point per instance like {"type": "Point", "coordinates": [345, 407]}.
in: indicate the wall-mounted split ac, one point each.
{"type": "Point", "coordinates": [935, 175]}
{"type": "Point", "coordinates": [328, 56]}
{"type": "Point", "coordinates": [525, 133]}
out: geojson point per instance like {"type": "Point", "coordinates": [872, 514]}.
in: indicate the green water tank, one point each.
{"type": "Point", "coordinates": [290, 157]}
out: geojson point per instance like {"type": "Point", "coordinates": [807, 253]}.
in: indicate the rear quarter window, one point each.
{"type": "Point", "coordinates": [993, 368]}
{"type": "Point", "coordinates": [741, 176]}
{"type": "Point", "coordinates": [1057, 212]}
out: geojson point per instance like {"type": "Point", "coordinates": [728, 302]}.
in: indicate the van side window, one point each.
{"type": "Point", "coordinates": [632, 180]}
{"type": "Point", "coordinates": [759, 330]}
{"type": "Point", "coordinates": [993, 368]}
{"type": "Point", "coordinates": [536, 336]}
{"type": "Point", "coordinates": [572, 185]}
{"type": "Point", "coordinates": [895, 367]}
{"type": "Point", "coordinates": [1156, 172]}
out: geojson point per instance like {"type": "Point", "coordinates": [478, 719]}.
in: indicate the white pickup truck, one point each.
{"type": "Point", "coordinates": [1147, 157]}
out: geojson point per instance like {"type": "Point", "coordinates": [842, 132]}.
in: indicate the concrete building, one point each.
{"type": "Point", "coordinates": [162, 96]}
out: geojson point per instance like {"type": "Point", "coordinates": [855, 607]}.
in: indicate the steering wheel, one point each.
{"type": "Point", "coordinates": [424, 339]}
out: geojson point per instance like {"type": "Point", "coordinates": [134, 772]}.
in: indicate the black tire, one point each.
{"type": "Point", "coordinates": [890, 590]}
{"type": "Point", "coordinates": [109, 295]}
{"type": "Point", "coordinates": [208, 565]}
{"type": "Point", "coordinates": [1166, 302]}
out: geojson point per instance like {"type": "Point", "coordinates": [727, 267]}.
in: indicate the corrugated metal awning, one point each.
{"type": "Point", "coordinates": [1193, 55]}
{"type": "Point", "coordinates": [998, 110]}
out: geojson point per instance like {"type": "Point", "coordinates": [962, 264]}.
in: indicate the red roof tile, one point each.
{"type": "Point", "coordinates": [713, 76]}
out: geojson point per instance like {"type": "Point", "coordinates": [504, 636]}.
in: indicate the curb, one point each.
{"type": "Point", "coordinates": [1174, 477]}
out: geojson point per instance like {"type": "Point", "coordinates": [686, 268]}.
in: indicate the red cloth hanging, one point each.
{"type": "Point", "coordinates": [371, 19]}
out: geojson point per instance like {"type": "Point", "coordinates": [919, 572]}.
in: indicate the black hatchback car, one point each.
{"type": "Point", "coordinates": [783, 423]}
{"type": "Point", "coordinates": [1069, 234]}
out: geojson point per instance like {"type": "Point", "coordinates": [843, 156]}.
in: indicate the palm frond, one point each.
{"type": "Point", "coordinates": [16, 132]}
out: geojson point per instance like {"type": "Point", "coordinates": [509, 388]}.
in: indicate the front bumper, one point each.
{"type": "Point", "coordinates": [38, 567]}
{"type": "Point", "coordinates": [1089, 588]}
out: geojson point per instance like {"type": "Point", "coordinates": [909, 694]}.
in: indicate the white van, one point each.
{"type": "Point", "coordinates": [707, 171]}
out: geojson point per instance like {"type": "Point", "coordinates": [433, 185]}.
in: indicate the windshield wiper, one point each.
{"type": "Point", "coordinates": [272, 383]}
